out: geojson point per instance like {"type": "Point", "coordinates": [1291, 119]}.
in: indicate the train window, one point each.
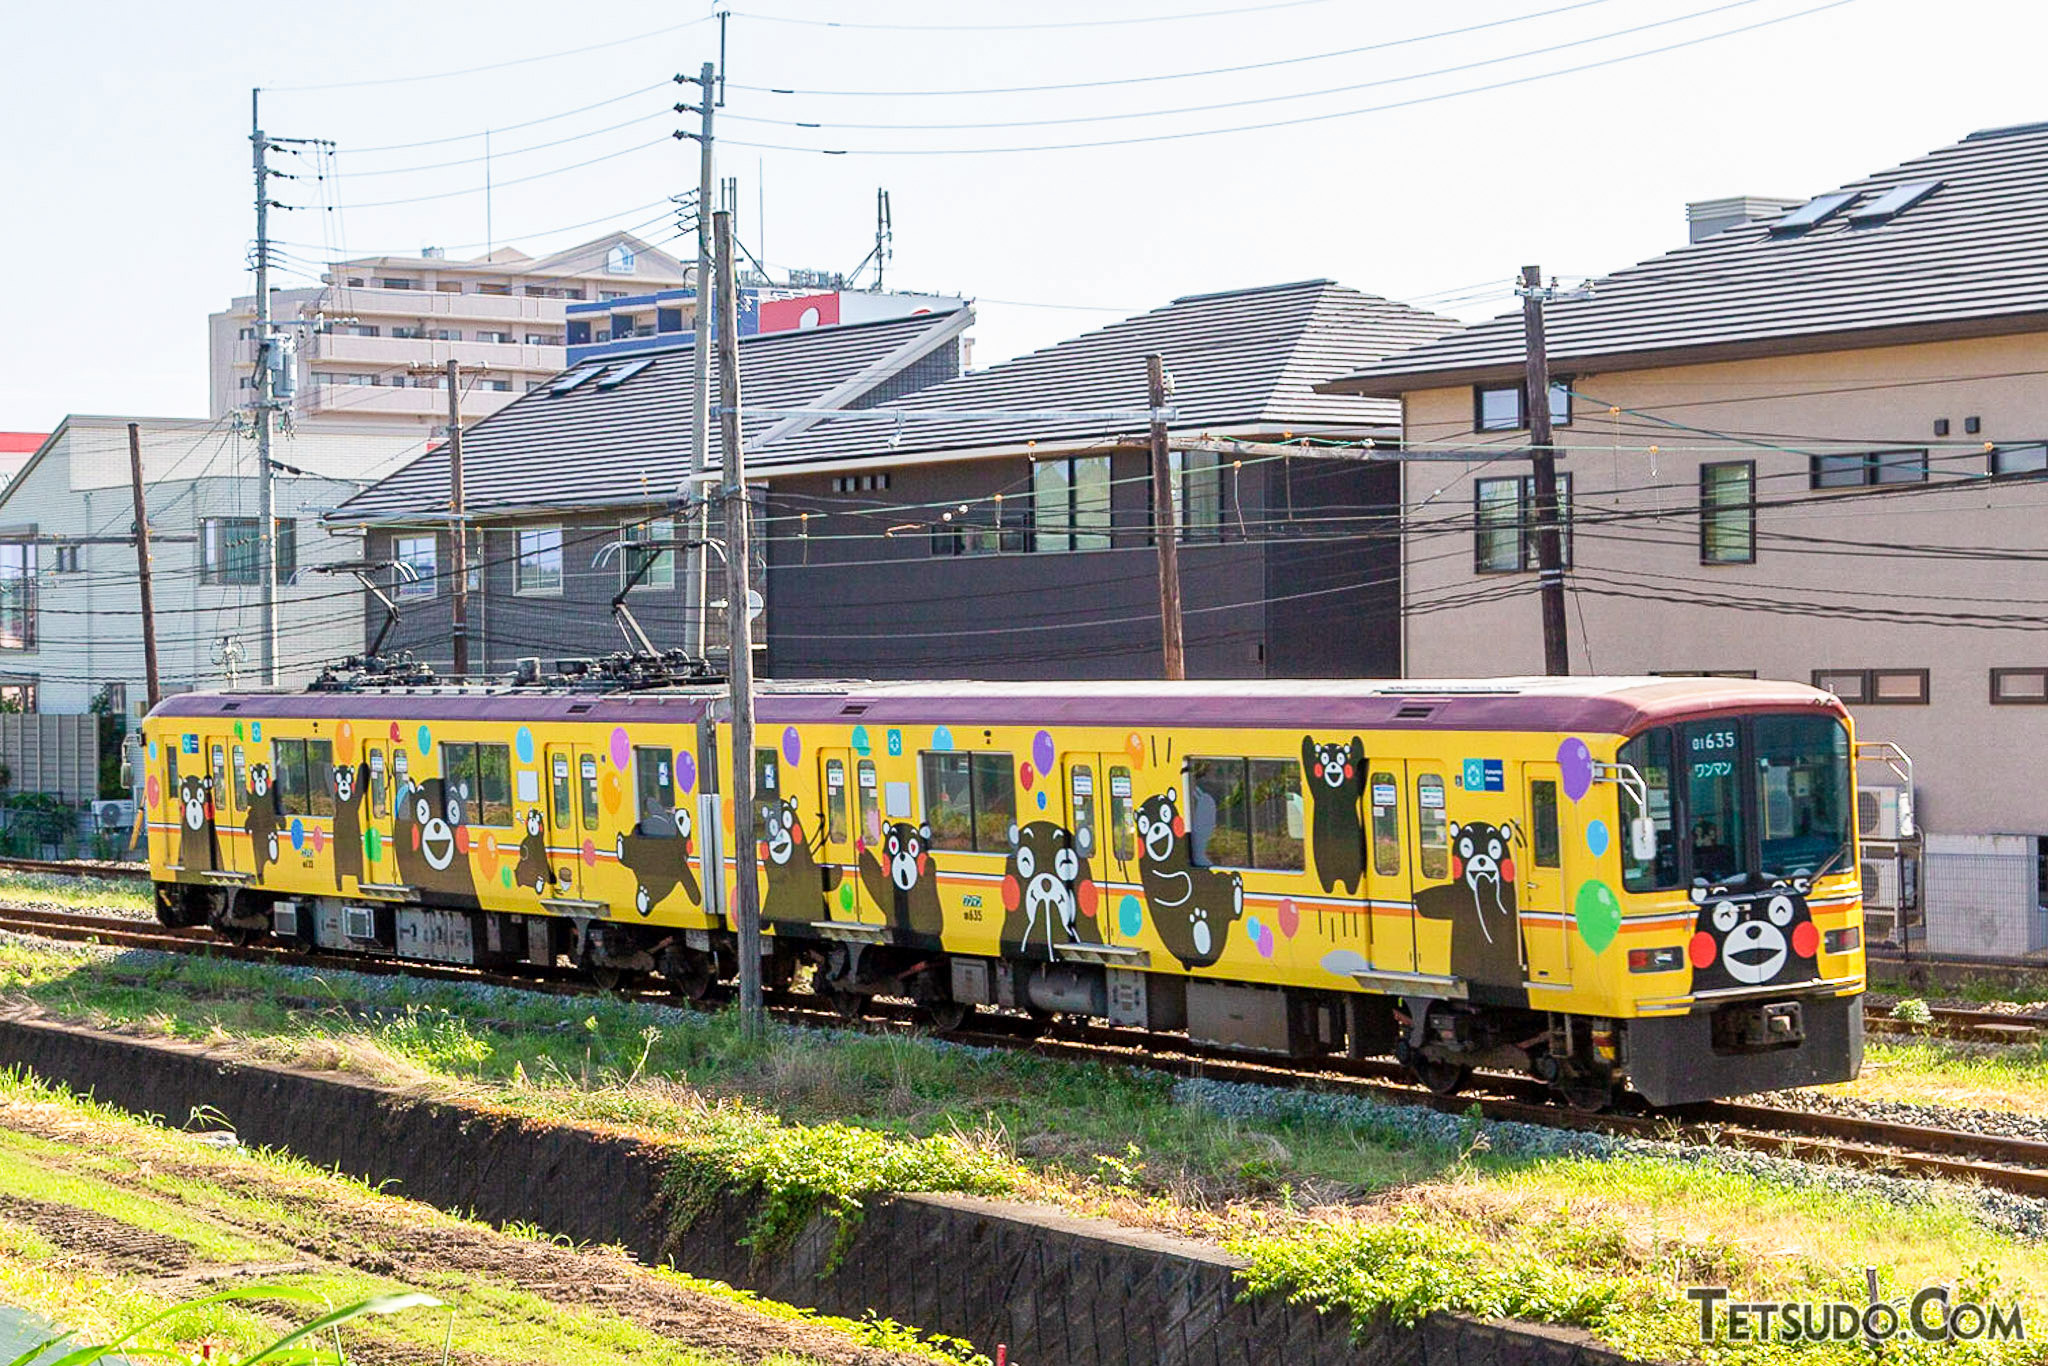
{"type": "Point", "coordinates": [1432, 827]}
{"type": "Point", "coordinates": [241, 770]}
{"type": "Point", "coordinates": [223, 795]}
{"type": "Point", "coordinates": [655, 789]}
{"type": "Point", "coordinates": [765, 784]}
{"type": "Point", "coordinates": [1544, 846]}
{"type": "Point", "coordinates": [1081, 793]}
{"type": "Point", "coordinates": [1802, 765]}
{"type": "Point", "coordinates": [1718, 837]}
{"type": "Point", "coordinates": [320, 777]}
{"type": "Point", "coordinates": [288, 781]}
{"type": "Point", "coordinates": [870, 803]}
{"type": "Point", "coordinates": [562, 801]}
{"type": "Point", "coordinates": [1386, 825]}
{"type": "Point", "coordinates": [970, 800]}
{"type": "Point", "coordinates": [494, 784]}
{"type": "Point", "coordinates": [1219, 825]}
{"type": "Point", "coordinates": [1276, 814]}
{"type": "Point", "coordinates": [1650, 755]}
{"type": "Point", "coordinates": [835, 801]}
{"type": "Point", "coordinates": [1123, 834]}
{"type": "Point", "coordinates": [586, 768]}
{"type": "Point", "coordinates": [376, 766]}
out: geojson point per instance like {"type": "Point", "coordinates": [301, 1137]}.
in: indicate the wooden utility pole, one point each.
{"type": "Point", "coordinates": [1165, 530]}
{"type": "Point", "coordinates": [746, 899]}
{"type": "Point", "coordinates": [143, 585]}
{"type": "Point", "coordinates": [460, 595]}
{"type": "Point", "coordinates": [1549, 540]}
{"type": "Point", "coordinates": [700, 364]}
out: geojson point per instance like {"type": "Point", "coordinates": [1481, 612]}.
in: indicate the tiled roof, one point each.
{"type": "Point", "coordinates": [631, 442]}
{"type": "Point", "coordinates": [1971, 258]}
{"type": "Point", "coordinates": [1244, 358]}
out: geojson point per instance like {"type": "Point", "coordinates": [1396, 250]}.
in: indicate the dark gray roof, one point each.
{"type": "Point", "coordinates": [1243, 358]}
{"type": "Point", "coordinates": [631, 443]}
{"type": "Point", "coordinates": [1969, 259]}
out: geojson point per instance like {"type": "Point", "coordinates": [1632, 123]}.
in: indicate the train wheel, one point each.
{"type": "Point", "coordinates": [608, 979]}
{"type": "Point", "coordinates": [691, 978]}
{"type": "Point", "coordinates": [1587, 1095]}
{"type": "Point", "coordinates": [849, 1006]}
{"type": "Point", "coordinates": [945, 1017]}
{"type": "Point", "coordinates": [1440, 1077]}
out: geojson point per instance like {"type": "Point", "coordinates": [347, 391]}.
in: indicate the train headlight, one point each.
{"type": "Point", "coordinates": [1845, 940]}
{"type": "Point", "coordinates": [1667, 959]}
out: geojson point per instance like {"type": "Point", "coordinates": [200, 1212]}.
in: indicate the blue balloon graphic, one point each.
{"type": "Point", "coordinates": [152, 749]}
{"type": "Point", "coordinates": [1596, 837]}
{"type": "Point", "coordinates": [426, 739]}
{"type": "Point", "coordinates": [942, 738]}
{"type": "Point", "coordinates": [860, 739]}
{"type": "Point", "coordinates": [1041, 801]}
{"type": "Point", "coordinates": [298, 834]}
{"type": "Point", "coordinates": [524, 741]}
{"type": "Point", "coordinates": [1130, 917]}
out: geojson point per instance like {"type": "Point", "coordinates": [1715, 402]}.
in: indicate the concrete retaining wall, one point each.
{"type": "Point", "coordinates": [1059, 1290]}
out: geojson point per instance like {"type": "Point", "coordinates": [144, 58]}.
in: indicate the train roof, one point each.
{"type": "Point", "coordinates": [1610, 706]}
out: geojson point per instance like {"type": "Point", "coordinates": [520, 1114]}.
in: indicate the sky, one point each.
{"type": "Point", "coordinates": [1427, 151]}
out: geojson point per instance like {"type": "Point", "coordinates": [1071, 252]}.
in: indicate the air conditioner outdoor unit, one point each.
{"type": "Point", "coordinates": [1884, 813]}
{"type": "Point", "coordinates": [1881, 884]}
{"type": "Point", "coordinates": [113, 815]}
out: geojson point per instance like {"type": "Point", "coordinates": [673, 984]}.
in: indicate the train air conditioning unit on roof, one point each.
{"type": "Point", "coordinates": [1881, 884]}
{"type": "Point", "coordinates": [113, 815]}
{"type": "Point", "coordinates": [1884, 813]}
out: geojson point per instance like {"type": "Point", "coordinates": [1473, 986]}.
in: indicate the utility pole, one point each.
{"type": "Point", "coordinates": [143, 584]}
{"type": "Point", "coordinates": [700, 353]}
{"type": "Point", "coordinates": [746, 902]}
{"type": "Point", "coordinates": [1549, 542]}
{"type": "Point", "coordinates": [460, 596]}
{"type": "Point", "coordinates": [885, 235]}
{"type": "Point", "coordinates": [1165, 531]}
{"type": "Point", "coordinates": [266, 498]}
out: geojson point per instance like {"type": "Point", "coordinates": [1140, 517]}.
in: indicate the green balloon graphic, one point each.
{"type": "Point", "coordinates": [1599, 913]}
{"type": "Point", "coordinates": [372, 843]}
{"type": "Point", "coordinates": [845, 897]}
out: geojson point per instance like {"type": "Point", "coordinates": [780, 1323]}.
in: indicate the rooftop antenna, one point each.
{"type": "Point", "coordinates": [885, 236]}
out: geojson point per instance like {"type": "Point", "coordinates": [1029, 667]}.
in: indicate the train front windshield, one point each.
{"type": "Point", "coordinates": [1739, 801]}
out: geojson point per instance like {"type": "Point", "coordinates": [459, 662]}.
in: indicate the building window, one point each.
{"type": "Point", "coordinates": [1196, 478]}
{"type": "Point", "coordinates": [970, 799]}
{"type": "Point", "coordinates": [448, 287]}
{"type": "Point", "coordinates": [542, 339]}
{"type": "Point", "coordinates": [417, 554]}
{"type": "Point", "coordinates": [859, 483]}
{"type": "Point", "coordinates": [619, 260]}
{"type": "Point", "coordinates": [1703, 673]}
{"type": "Point", "coordinates": [1070, 503]}
{"type": "Point", "coordinates": [1503, 408]}
{"type": "Point", "coordinates": [363, 330]}
{"type": "Point", "coordinates": [394, 282]}
{"type": "Point", "coordinates": [1858, 469]}
{"type": "Point", "coordinates": [446, 334]}
{"type": "Point", "coordinates": [604, 294]}
{"type": "Point", "coordinates": [1875, 687]}
{"type": "Point", "coordinates": [493, 289]}
{"type": "Point", "coordinates": [355, 282]}
{"type": "Point", "coordinates": [17, 595]}
{"type": "Point", "coordinates": [404, 333]}
{"type": "Point", "coordinates": [540, 561]}
{"type": "Point", "coordinates": [68, 561]}
{"type": "Point", "coordinates": [498, 386]}
{"type": "Point", "coordinates": [231, 550]}
{"type": "Point", "coordinates": [246, 334]}
{"type": "Point", "coordinates": [1728, 512]}
{"type": "Point", "coordinates": [17, 698]}
{"type": "Point", "coordinates": [663, 572]}
{"type": "Point", "coordinates": [500, 337]}
{"type": "Point", "coordinates": [1504, 517]}
{"type": "Point", "coordinates": [2031, 458]}
{"type": "Point", "coordinates": [989, 529]}
{"type": "Point", "coordinates": [2019, 687]}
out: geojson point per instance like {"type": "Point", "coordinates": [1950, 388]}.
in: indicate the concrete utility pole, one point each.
{"type": "Point", "coordinates": [746, 901]}
{"type": "Point", "coordinates": [460, 595]}
{"type": "Point", "coordinates": [143, 585]}
{"type": "Point", "coordinates": [266, 497]}
{"type": "Point", "coordinates": [1549, 541]}
{"type": "Point", "coordinates": [700, 360]}
{"type": "Point", "coordinates": [1165, 531]}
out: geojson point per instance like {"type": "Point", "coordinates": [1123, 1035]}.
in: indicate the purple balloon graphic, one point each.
{"type": "Point", "coordinates": [686, 771]}
{"type": "Point", "coordinates": [1042, 751]}
{"type": "Point", "coordinates": [1575, 762]}
{"type": "Point", "coordinates": [622, 749]}
{"type": "Point", "coordinates": [792, 744]}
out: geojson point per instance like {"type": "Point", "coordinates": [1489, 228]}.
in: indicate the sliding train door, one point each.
{"type": "Point", "coordinates": [1389, 894]}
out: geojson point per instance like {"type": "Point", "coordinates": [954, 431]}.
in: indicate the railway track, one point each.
{"type": "Point", "coordinates": [75, 867]}
{"type": "Point", "coordinates": [2016, 1165]}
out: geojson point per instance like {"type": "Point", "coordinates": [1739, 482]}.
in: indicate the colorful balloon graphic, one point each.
{"type": "Point", "coordinates": [1042, 751]}
{"type": "Point", "coordinates": [522, 741]}
{"type": "Point", "coordinates": [1025, 775]}
{"type": "Point", "coordinates": [1596, 837]}
{"type": "Point", "coordinates": [686, 772]}
{"type": "Point", "coordinates": [1134, 746]}
{"type": "Point", "coordinates": [942, 738]}
{"type": "Point", "coordinates": [614, 792]}
{"type": "Point", "coordinates": [1041, 801]}
{"type": "Point", "coordinates": [792, 744]}
{"type": "Point", "coordinates": [1575, 763]}
{"type": "Point", "coordinates": [373, 844]}
{"type": "Point", "coordinates": [345, 743]}
{"type": "Point", "coordinates": [1599, 914]}
{"type": "Point", "coordinates": [1289, 916]}
{"type": "Point", "coordinates": [394, 732]}
{"type": "Point", "coordinates": [426, 740]}
{"type": "Point", "coordinates": [622, 747]}
{"type": "Point", "coordinates": [846, 896]}
{"type": "Point", "coordinates": [1262, 935]}
{"type": "Point", "coordinates": [238, 730]}
{"type": "Point", "coordinates": [860, 739]}
{"type": "Point", "coordinates": [1130, 917]}
{"type": "Point", "coordinates": [298, 834]}
{"type": "Point", "coordinates": [589, 853]}
{"type": "Point", "coordinates": [155, 792]}
{"type": "Point", "coordinates": [319, 840]}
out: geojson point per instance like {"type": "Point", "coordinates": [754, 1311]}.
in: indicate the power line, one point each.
{"type": "Point", "coordinates": [1018, 28]}
{"type": "Point", "coordinates": [494, 66]}
{"type": "Point", "coordinates": [510, 127]}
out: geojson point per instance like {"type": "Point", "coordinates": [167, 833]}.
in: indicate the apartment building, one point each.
{"type": "Point", "coordinates": [370, 339]}
{"type": "Point", "coordinates": [618, 324]}
{"type": "Point", "coordinates": [1811, 445]}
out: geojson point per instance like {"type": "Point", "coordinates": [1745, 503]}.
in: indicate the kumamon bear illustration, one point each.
{"type": "Point", "coordinates": [430, 840]}
{"type": "Point", "coordinates": [1336, 781]}
{"type": "Point", "coordinates": [1753, 939]}
{"type": "Point", "coordinates": [198, 844]}
{"type": "Point", "coordinates": [533, 870]}
{"type": "Point", "coordinates": [661, 863]}
{"type": "Point", "coordinates": [261, 821]}
{"type": "Point", "coordinates": [1192, 908]}
{"type": "Point", "coordinates": [1479, 902]}
{"type": "Point", "coordinates": [1048, 896]}
{"type": "Point", "coordinates": [349, 785]}
{"type": "Point", "coordinates": [906, 886]}
{"type": "Point", "coordinates": [796, 885]}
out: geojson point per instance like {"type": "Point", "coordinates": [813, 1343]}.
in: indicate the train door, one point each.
{"type": "Point", "coordinates": [1101, 814]}
{"type": "Point", "coordinates": [835, 783]}
{"type": "Point", "coordinates": [1539, 895]}
{"type": "Point", "coordinates": [867, 833]}
{"type": "Point", "coordinates": [227, 808]}
{"type": "Point", "coordinates": [1429, 851]}
{"type": "Point", "coordinates": [1389, 896]}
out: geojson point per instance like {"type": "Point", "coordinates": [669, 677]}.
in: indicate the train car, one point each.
{"type": "Point", "coordinates": [1605, 883]}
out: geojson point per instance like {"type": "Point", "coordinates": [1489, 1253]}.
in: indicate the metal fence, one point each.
{"type": "Point", "coordinates": [57, 754]}
{"type": "Point", "coordinates": [1982, 898]}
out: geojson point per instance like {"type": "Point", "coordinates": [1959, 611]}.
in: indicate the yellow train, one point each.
{"type": "Point", "coordinates": [1648, 883]}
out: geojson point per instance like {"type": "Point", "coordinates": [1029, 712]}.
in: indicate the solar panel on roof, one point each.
{"type": "Point", "coordinates": [1894, 201]}
{"type": "Point", "coordinates": [573, 378]}
{"type": "Point", "coordinates": [1811, 212]}
{"type": "Point", "coordinates": [621, 374]}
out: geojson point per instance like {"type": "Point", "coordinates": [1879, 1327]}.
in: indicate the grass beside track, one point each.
{"type": "Point", "coordinates": [1368, 1216]}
